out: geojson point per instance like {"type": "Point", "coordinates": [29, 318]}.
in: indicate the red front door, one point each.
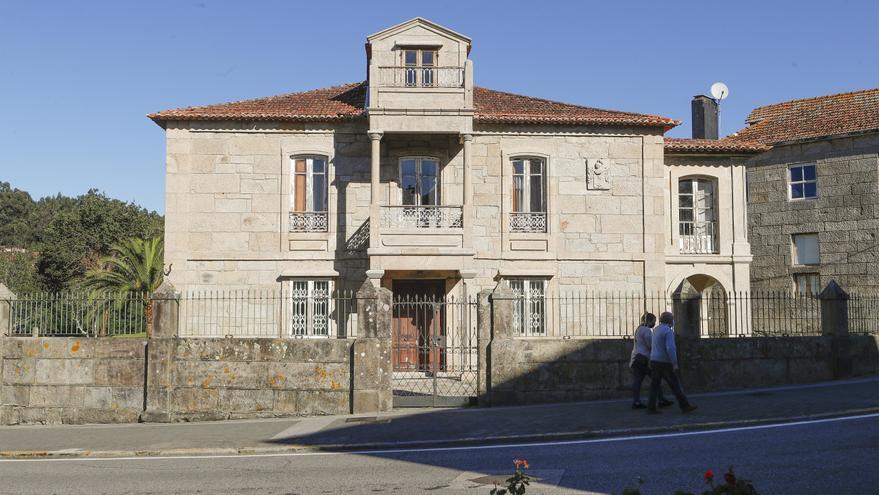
{"type": "Point", "coordinates": [419, 325]}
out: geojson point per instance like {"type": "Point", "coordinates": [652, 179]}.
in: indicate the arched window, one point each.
{"type": "Point", "coordinates": [528, 213]}
{"type": "Point", "coordinates": [308, 194]}
{"type": "Point", "coordinates": [697, 216]}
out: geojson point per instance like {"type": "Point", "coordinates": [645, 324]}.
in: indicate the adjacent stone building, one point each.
{"type": "Point", "coordinates": [813, 198]}
{"type": "Point", "coordinates": [431, 185]}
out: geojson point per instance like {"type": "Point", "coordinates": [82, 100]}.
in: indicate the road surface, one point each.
{"type": "Point", "coordinates": [824, 456]}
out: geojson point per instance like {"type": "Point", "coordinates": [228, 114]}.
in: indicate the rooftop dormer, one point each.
{"type": "Point", "coordinates": [419, 68]}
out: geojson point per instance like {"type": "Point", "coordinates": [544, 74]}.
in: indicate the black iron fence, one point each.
{"type": "Point", "coordinates": [714, 314]}
{"type": "Point", "coordinates": [72, 314]}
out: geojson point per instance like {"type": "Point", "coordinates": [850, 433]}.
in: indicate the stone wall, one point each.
{"type": "Point", "coordinates": [844, 215]}
{"type": "Point", "coordinates": [547, 370]}
{"type": "Point", "coordinates": [192, 379]}
{"type": "Point", "coordinates": [71, 380]}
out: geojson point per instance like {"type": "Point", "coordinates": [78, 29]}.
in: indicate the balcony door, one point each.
{"type": "Point", "coordinates": [420, 189]}
{"type": "Point", "coordinates": [697, 216]}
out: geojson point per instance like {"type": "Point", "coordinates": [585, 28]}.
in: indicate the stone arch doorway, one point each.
{"type": "Point", "coordinates": [704, 307]}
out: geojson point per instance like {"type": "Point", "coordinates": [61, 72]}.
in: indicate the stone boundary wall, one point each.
{"type": "Point", "coordinates": [548, 370]}
{"type": "Point", "coordinates": [71, 380]}
{"type": "Point", "coordinates": [210, 379]}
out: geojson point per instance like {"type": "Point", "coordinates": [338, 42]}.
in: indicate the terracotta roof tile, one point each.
{"type": "Point", "coordinates": [718, 146]}
{"type": "Point", "coordinates": [817, 117]}
{"type": "Point", "coordinates": [335, 103]}
{"type": "Point", "coordinates": [347, 102]}
{"type": "Point", "coordinates": [499, 107]}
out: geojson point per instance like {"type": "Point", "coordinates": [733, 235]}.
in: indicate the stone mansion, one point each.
{"type": "Point", "coordinates": [428, 184]}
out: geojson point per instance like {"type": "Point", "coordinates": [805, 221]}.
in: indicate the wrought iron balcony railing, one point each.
{"type": "Point", "coordinates": [309, 221]}
{"type": "Point", "coordinates": [525, 222]}
{"type": "Point", "coordinates": [698, 238]}
{"type": "Point", "coordinates": [422, 217]}
{"type": "Point", "coordinates": [420, 77]}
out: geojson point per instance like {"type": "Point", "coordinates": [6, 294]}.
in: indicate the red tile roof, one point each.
{"type": "Point", "coordinates": [817, 117]}
{"type": "Point", "coordinates": [347, 102]}
{"type": "Point", "coordinates": [715, 146]}
{"type": "Point", "coordinates": [498, 107]}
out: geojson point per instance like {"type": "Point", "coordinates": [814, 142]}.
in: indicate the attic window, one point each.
{"type": "Point", "coordinates": [420, 66]}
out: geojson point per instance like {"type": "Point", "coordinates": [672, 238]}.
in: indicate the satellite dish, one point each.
{"type": "Point", "coordinates": [719, 91]}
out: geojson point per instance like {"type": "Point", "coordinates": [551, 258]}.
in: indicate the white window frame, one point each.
{"type": "Point", "coordinates": [309, 308]}
{"type": "Point", "coordinates": [791, 182]}
{"type": "Point", "coordinates": [418, 162]}
{"type": "Point", "coordinates": [529, 308]}
{"type": "Point", "coordinates": [702, 238]}
{"type": "Point", "coordinates": [313, 220]}
{"type": "Point", "coordinates": [527, 177]}
{"type": "Point", "coordinates": [795, 255]}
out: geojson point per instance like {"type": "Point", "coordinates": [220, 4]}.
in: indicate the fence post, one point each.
{"type": "Point", "coordinates": [834, 324]}
{"type": "Point", "coordinates": [483, 339]}
{"type": "Point", "coordinates": [160, 355]}
{"type": "Point", "coordinates": [371, 367]}
{"type": "Point", "coordinates": [165, 308]}
{"type": "Point", "coordinates": [687, 311]}
{"type": "Point", "coordinates": [503, 354]}
{"type": "Point", "coordinates": [6, 297]}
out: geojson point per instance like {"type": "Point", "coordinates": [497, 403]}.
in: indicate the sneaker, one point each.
{"type": "Point", "coordinates": [639, 405]}
{"type": "Point", "coordinates": [690, 408]}
{"type": "Point", "coordinates": [654, 411]}
{"type": "Point", "coordinates": [666, 403]}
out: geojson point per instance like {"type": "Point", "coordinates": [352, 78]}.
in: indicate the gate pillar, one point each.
{"type": "Point", "coordinates": [371, 370]}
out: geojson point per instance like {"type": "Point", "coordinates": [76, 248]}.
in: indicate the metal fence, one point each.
{"type": "Point", "coordinates": [72, 314]}
{"type": "Point", "coordinates": [311, 312]}
{"type": "Point", "coordinates": [717, 314]}
{"type": "Point", "coordinates": [863, 314]}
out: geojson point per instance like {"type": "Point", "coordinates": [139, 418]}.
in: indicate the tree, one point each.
{"type": "Point", "coordinates": [135, 265]}
{"type": "Point", "coordinates": [16, 206]}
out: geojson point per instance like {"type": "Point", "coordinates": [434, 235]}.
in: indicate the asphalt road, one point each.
{"type": "Point", "coordinates": [828, 456]}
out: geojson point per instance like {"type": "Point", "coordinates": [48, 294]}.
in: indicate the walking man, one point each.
{"type": "Point", "coordinates": [664, 363]}
{"type": "Point", "coordinates": [640, 362]}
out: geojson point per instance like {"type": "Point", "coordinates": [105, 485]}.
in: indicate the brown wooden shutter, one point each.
{"type": "Point", "coordinates": [299, 184]}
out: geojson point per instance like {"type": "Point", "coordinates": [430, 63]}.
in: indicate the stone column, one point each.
{"type": "Point", "coordinates": [467, 212]}
{"type": "Point", "coordinates": [483, 339]}
{"type": "Point", "coordinates": [371, 367]}
{"type": "Point", "coordinates": [165, 308]}
{"type": "Point", "coordinates": [375, 138]}
{"type": "Point", "coordinates": [160, 354]}
{"type": "Point", "coordinates": [6, 297]}
{"type": "Point", "coordinates": [504, 352]}
{"type": "Point", "coordinates": [834, 324]}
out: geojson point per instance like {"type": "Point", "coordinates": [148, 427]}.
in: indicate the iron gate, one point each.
{"type": "Point", "coordinates": [435, 356]}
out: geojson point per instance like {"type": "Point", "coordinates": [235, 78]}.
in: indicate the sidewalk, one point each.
{"type": "Point", "coordinates": [440, 427]}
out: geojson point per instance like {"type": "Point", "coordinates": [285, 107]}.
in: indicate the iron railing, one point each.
{"type": "Point", "coordinates": [715, 314]}
{"type": "Point", "coordinates": [863, 314]}
{"type": "Point", "coordinates": [419, 77]}
{"type": "Point", "coordinates": [267, 314]}
{"type": "Point", "coordinates": [527, 222]}
{"type": "Point", "coordinates": [77, 314]}
{"type": "Point", "coordinates": [698, 237]}
{"type": "Point", "coordinates": [310, 221]}
{"type": "Point", "coordinates": [422, 217]}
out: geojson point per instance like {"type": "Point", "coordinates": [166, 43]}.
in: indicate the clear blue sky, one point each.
{"type": "Point", "coordinates": [78, 78]}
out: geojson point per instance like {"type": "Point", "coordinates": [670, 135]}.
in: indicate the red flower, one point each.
{"type": "Point", "coordinates": [520, 463]}
{"type": "Point", "coordinates": [709, 476]}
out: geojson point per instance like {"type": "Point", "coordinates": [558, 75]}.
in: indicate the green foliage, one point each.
{"type": "Point", "coordinates": [134, 265]}
{"type": "Point", "coordinates": [731, 486]}
{"type": "Point", "coordinates": [71, 235]}
{"type": "Point", "coordinates": [517, 483]}
{"type": "Point", "coordinates": [18, 271]}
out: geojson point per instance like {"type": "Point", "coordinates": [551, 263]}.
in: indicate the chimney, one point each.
{"type": "Point", "coordinates": [704, 117]}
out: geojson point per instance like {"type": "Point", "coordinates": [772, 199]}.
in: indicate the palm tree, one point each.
{"type": "Point", "coordinates": [135, 265]}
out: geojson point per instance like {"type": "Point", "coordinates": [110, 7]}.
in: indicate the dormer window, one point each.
{"type": "Point", "coordinates": [420, 67]}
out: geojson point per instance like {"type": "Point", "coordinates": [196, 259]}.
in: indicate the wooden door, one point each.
{"type": "Point", "coordinates": [418, 321]}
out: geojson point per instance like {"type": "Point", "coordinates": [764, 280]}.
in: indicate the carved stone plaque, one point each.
{"type": "Point", "coordinates": [598, 174]}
